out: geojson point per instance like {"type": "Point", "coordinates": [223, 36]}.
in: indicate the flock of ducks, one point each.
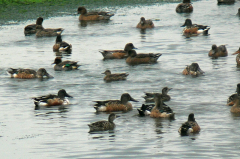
{"type": "Point", "coordinates": [156, 107]}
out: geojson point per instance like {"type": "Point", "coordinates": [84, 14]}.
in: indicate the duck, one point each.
{"type": "Point", "coordinates": [28, 73]}
{"type": "Point", "coordinates": [238, 56]}
{"type": "Point", "coordinates": [236, 105]}
{"type": "Point", "coordinates": [52, 99]}
{"type": "Point", "coordinates": [220, 51]}
{"type": "Point", "coordinates": [193, 69]}
{"type": "Point", "coordinates": [135, 59]}
{"type": "Point", "coordinates": [117, 54]}
{"type": "Point", "coordinates": [65, 65]}
{"type": "Point", "coordinates": [149, 97]}
{"type": "Point", "coordinates": [226, 1]}
{"type": "Point", "coordinates": [104, 125]}
{"type": "Point", "coordinates": [194, 29]}
{"type": "Point", "coordinates": [61, 45]}
{"type": "Point", "coordinates": [114, 77]}
{"type": "Point", "coordinates": [158, 110]}
{"type": "Point", "coordinates": [145, 109]}
{"type": "Point", "coordinates": [115, 105]}
{"type": "Point", "coordinates": [231, 97]}
{"type": "Point", "coordinates": [31, 28]}
{"type": "Point", "coordinates": [84, 15]}
{"type": "Point", "coordinates": [190, 126]}
{"type": "Point", "coordinates": [46, 32]}
{"type": "Point", "coordinates": [184, 7]}
{"type": "Point", "coordinates": [238, 14]}
{"type": "Point", "coordinates": [144, 24]}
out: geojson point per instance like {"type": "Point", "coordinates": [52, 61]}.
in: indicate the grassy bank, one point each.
{"type": "Point", "coordinates": [14, 11]}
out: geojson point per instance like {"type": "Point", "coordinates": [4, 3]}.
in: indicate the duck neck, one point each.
{"type": "Point", "coordinates": [159, 104]}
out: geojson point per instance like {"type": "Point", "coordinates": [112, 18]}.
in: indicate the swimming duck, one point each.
{"type": "Point", "coordinates": [190, 126]}
{"type": "Point", "coordinates": [193, 69]}
{"type": "Point", "coordinates": [145, 110]}
{"type": "Point", "coordinates": [64, 65]}
{"type": "Point", "coordinates": [184, 7]}
{"type": "Point", "coordinates": [149, 97]}
{"type": "Point", "coordinates": [52, 99]}
{"type": "Point", "coordinates": [220, 51]}
{"type": "Point", "coordinates": [31, 28]}
{"type": "Point", "coordinates": [238, 56]}
{"type": "Point", "coordinates": [134, 58]}
{"type": "Point", "coordinates": [115, 105]}
{"type": "Point", "coordinates": [117, 54]}
{"type": "Point", "coordinates": [28, 73]}
{"type": "Point", "coordinates": [236, 105]}
{"type": "Point", "coordinates": [238, 14]}
{"type": "Point", "coordinates": [103, 125]}
{"type": "Point", "coordinates": [143, 24]}
{"type": "Point", "coordinates": [41, 31]}
{"type": "Point", "coordinates": [84, 15]}
{"type": "Point", "coordinates": [61, 45]}
{"type": "Point", "coordinates": [114, 77]}
{"type": "Point", "coordinates": [158, 110]}
{"type": "Point", "coordinates": [226, 1]}
{"type": "Point", "coordinates": [231, 97]}
{"type": "Point", "coordinates": [194, 29]}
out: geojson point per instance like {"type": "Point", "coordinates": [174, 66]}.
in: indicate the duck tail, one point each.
{"type": "Point", "coordinates": [205, 31]}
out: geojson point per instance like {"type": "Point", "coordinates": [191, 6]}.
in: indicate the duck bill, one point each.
{"type": "Point", "coordinates": [49, 76]}
{"type": "Point", "coordinates": [237, 52]}
{"type": "Point", "coordinates": [132, 99]}
{"type": "Point", "coordinates": [201, 71]}
{"type": "Point", "coordinates": [67, 95]}
{"type": "Point", "coordinates": [230, 103]}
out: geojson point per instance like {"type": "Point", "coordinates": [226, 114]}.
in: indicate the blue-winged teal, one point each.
{"type": "Point", "coordinates": [52, 99]}
{"type": "Point", "coordinates": [220, 51]}
{"type": "Point", "coordinates": [61, 45]}
{"type": "Point", "coordinates": [84, 15]}
{"type": "Point", "coordinates": [31, 29]}
{"type": "Point", "coordinates": [28, 73]}
{"type": "Point", "coordinates": [117, 54]}
{"type": "Point", "coordinates": [184, 7]}
{"type": "Point", "coordinates": [115, 105]}
{"type": "Point", "coordinates": [194, 29]}
{"type": "Point", "coordinates": [103, 125]}
{"type": "Point", "coordinates": [149, 97]}
{"type": "Point", "coordinates": [238, 56]}
{"type": "Point", "coordinates": [135, 59]}
{"type": "Point", "coordinates": [190, 126]}
{"type": "Point", "coordinates": [64, 65]}
{"type": "Point", "coordinates": [114, 77]}
{"type": "Point", "coordinates": [143, 24]}
{"type": "Point", "coordinates": [193, 69]}
{"type": "Point", "coordinates": [236, 105]}
{"type": "Point", "coordinates": [231, 97]}
{"type": "Point", "coordinates": [158, 111]}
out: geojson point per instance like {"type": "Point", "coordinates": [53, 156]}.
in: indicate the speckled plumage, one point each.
{"type": "Point", "coordinates": [103, 125]}
{"type": "Point", "coordinates": [114, 77]}
{"type": "Point", "coordinates": [149, 97]}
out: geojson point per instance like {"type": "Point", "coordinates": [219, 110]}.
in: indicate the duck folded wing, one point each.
{"type": "Point", "coordinates": [148, 55]}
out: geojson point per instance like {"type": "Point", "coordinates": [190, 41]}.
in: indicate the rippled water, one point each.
{"type": "Point", "coordinates": [63, 133]}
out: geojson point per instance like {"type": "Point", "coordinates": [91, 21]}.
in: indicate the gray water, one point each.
{"type": "Point", "coordinates": [63, 133]}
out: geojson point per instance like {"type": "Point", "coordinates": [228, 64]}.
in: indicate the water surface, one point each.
{"type": "Point", "coordinates": [63, 133]}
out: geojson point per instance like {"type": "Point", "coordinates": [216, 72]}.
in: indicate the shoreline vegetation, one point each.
{"type": "Point", "coordinates": [15, 11]}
